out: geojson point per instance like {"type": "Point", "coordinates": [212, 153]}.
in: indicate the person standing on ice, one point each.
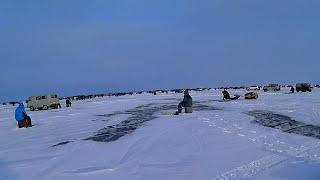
{"type": "Point", "coordinates": [21, 116]}
{"type": "Point", "coordinates": [68, 103]}
{"type": "Point", "coordinates": [186, 102]}
{"type": "Point", "coordinates": [292, 89]}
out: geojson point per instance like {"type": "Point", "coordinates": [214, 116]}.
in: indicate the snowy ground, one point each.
{"type": "Point", "coordinates": [129, 137]}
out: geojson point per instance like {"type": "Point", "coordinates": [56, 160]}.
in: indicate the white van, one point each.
{"type": "Point", "coordinates": [272, 87]}
{"type": "Point", "coordinates": [304, 87]}
{"type": "Point", "coordinates": [253, 88]}
{"type": "Point", "coordinates": [43, 102]}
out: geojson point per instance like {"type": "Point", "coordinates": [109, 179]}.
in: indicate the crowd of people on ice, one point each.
{"type": "Point", "coordinates": [24, 121]}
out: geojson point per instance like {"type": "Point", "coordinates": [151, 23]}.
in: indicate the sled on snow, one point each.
{"type": "Point", "coordinates": [251, 95]}
{"type": "Point", "coordinates": [231, 98]}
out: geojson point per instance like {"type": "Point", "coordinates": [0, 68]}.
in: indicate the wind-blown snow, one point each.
{"type": "Point", "coordinates": [220, 142]}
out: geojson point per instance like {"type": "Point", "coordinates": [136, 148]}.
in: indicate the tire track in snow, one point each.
{"type": "Point", "coordinates": [265, 141]}
{"type": "Point", "coordinates": [257, 166]}
{"type": "Point", "coordinates": [284, 151]}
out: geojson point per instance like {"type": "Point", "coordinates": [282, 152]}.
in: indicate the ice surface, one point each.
{"type": "Point", "coordinates": [285, 123]}
{"type": "Point", "coordinates": [217, 141]}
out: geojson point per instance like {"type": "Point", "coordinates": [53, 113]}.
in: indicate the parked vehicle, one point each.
{"type": "Point", "coordinates": [253, 88]}
{"type": "Point", "coordinates": [272, 87]}
{"type": "Point", "coordinates": [43, 102]}
{"type": "Point", "coordinates": [251, 95]}
{"type": "Point", "coordinates": [304, 87]}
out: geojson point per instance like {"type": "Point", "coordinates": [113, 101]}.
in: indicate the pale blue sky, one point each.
{"type": "Point", "coordinates": [78, 47]}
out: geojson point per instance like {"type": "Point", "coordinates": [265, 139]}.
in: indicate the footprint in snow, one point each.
{"type": "Point", "coordinates": [237, 126]}
{"type": "Point", "coordinates": [268, 144]}
{"type": "Point", "coordinates": [226, 131]}
{"type": "Point", "coordinates": [212, 125]}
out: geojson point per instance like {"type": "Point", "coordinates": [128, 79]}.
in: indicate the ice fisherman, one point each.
{"type": "Point", "coordinates": [24, 121]}
{"type": "Point", "coordinates": [226, 96]}
{"type": "Point", "coordinates": [186, 102]}
{"type": "Point", "coordinates": [292, 89]}
{"type": "Point", "coordinates": [68, 103]}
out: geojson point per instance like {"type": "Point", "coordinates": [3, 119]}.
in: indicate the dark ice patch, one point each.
{"type": "Point", "coordinates": [285, 123]}
{"type": "Point", "coordinates": [138, 116]}
{"type": "Point", "coordinates": [62, 143]}
{"type": "Point", "coordinates": [198, 106]}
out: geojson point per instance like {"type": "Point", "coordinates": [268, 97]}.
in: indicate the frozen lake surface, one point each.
{"type": "Point", "coordinates": [131, 137]}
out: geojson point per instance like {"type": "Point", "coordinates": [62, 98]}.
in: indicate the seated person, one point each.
{"type": "Point", "coordinates": [24, 121]}
{"type": "Point", "coordinates": [186, 102]}
{"type": "Point", "coordinates": [226, 96]}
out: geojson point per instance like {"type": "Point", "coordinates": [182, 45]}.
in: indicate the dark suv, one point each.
{"type": "Point", "coordinates": [304, 87]}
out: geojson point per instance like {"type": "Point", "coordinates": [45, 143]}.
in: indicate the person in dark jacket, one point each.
{"type": "Point", "coordinates": [24, 121]}
{"type": "Point", "coordinates": [226, 96]}
{"type": "Point", "coordinates": [68, 103]}
{"type": "Point", "coordinates": [186, 102]}
{"type": "Point", "coordinates": [292, 89]}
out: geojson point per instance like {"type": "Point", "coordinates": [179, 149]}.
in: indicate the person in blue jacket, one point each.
{"type": "Point", "coordinates": [24, 121]}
